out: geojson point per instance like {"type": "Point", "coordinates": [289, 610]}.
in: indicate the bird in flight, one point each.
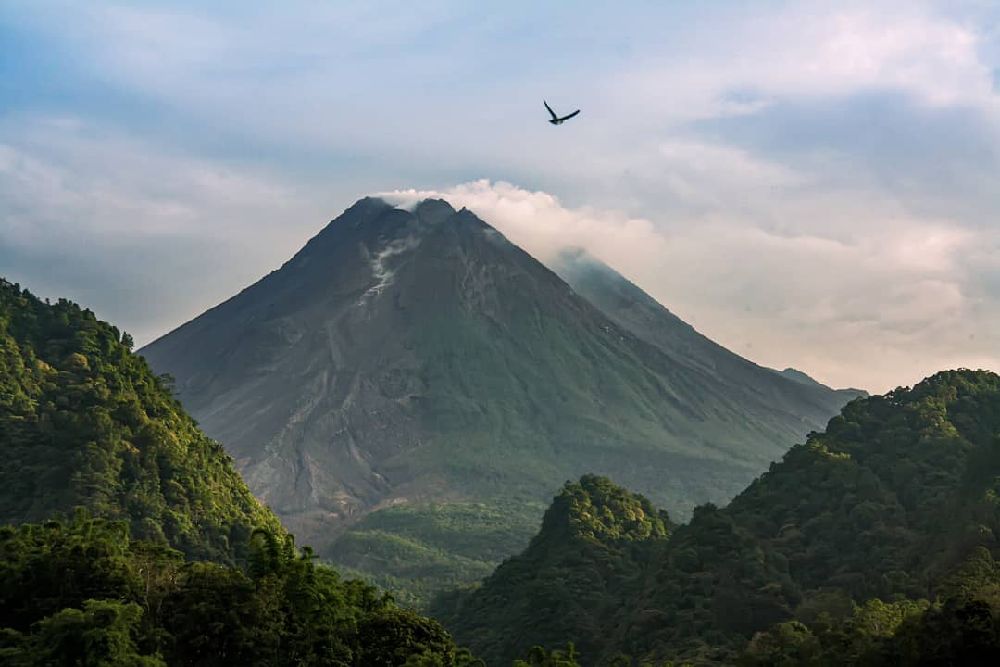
{"type": "Point", "coordinates": [556, 120]}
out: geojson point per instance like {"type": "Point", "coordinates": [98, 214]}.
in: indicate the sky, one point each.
{"type": "Point", "coordinates": [811, 184]}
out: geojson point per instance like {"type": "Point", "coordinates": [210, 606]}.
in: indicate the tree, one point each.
{"type": "Point", "coordinates": [102, 634]}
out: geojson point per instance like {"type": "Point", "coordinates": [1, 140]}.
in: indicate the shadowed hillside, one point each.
{"type": "Point", "coordinates": [848, 551]}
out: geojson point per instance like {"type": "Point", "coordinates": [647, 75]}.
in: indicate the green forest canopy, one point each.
{"type": "Point", "coordinates": [137, 542]}
{"type": "Point", "coordinates": [845, 552]}
{"type": "Point", "coordinates": [872, 543]}
{"type": "Point", "coordinates": [85, 423]}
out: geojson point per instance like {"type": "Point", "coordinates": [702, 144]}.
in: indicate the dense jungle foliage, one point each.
{"type": "Point", "coordinates": [83, 593]}
{"type": "Point", "coordinates": [872, 543]}
{"type": "Point", "coordinates": [85, 423]}
{"type": "Point", "coordinates": [568, 583]}
{"type": "Point", "coordinates": [137, 543]}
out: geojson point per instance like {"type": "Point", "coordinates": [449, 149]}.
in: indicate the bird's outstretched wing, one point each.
{"type": "Point", "coordinates": [570, 116]}
{"type": "Point", "coordinates": [553, 113]}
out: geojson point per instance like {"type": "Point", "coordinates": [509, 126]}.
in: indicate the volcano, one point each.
{"type": "Point", "coordinates": [410, 375]}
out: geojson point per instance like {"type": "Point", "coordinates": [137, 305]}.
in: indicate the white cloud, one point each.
{"type": "Point", "coordinates": [337, 76]}
{"type": "Point", "coordinates": [145, 238]}
{"type": "Point", "coordinates": [930, 56]}
{"type": "Point", "coordinates": [64, 176]}
{"type": "Point", "coordinates": [814, 50]}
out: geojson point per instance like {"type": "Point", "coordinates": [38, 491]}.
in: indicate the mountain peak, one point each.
{"type": "Point", "coordinates": [798, 376]}
{"type": "Point", "coordinates": [597, 509]}
{"type": "Point", "coordinates": [366, 206]}
{"type": "Point", "coordinates": [433, 211]}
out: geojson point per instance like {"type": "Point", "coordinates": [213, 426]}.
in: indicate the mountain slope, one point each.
{"type": "Point", "coordinates": [802, 378]}
{"type": "Point", "coordinates": [418, 356]}
{"type": "Point", "coordinates": [632, 309]}
{"type": "Point", "coordinates": [896, 500]}
{"type": "Point", "coordinates": [85, 423]}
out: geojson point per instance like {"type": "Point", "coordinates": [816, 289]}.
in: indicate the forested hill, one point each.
{"type": "Point", "coordinates": [101, 474]}
{"type": "Point", "coordinates": [872, 543]}
{"type": "Point", "coordinates": [85, 423]}
{"type": "Point", "coordinates": [83, 593]}
{"type": "Point", "coordinates": [568, 583]}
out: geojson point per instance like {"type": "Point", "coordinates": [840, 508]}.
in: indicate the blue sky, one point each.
{"type": "Point", "coordinates": [811, 184]}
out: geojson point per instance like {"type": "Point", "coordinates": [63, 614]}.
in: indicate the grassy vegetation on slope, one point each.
{"type": "Point", "coordinates": [851, 549]}
{"type": "Point", "coordinates": [419, 550]}
{"type": "Point", "coordinates": [85, 423]}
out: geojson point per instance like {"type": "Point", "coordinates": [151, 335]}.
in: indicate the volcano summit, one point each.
{"type": "Point", "coordinates": [412, 387]}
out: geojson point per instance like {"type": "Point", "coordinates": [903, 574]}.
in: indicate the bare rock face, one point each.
{"type": "Point", "coordinates": [412, 356]}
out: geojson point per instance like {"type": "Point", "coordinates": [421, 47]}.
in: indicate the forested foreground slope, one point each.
{"type": "Point", "coordinates": [85, 423]}
{"type": "Point", "coordinates": [83, 593]}
{"type": "Point", "coordinates": [872, 543]}
{"type": "Point", "coordinates": [135, 542]}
